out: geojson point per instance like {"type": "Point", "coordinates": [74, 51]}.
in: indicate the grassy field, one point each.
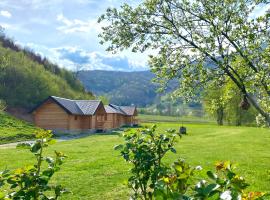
{"type": "Point", "coordinates": [93, 170]}
{"type": "Point", "coordinates": [183, 119]}
{"type": "Point", "coordinates": [13, 130]}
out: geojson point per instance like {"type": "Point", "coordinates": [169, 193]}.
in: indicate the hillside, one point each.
{"type": "Point", "coordinates": [26, 78]}
{"type": "Point", "coordinates": [14, 130]}
{"type": "Point", "coordinates": [122, 88]}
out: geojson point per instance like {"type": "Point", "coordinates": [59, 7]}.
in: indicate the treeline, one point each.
{"type": "Point", "coordinates": [167, 106]}
{"type": "Point", "coordinates": [26, 78]}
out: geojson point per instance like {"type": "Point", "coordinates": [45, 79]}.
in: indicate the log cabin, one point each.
{"type": "Point", "coordinates": [60, 114]}
{"type": "Point", "coordinates": [118, 116]}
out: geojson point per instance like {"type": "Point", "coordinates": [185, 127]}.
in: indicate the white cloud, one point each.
{"type": "Point", "coordinates": [76, 25]}
{"type": "Point", "coordinates": [71, 57]}
{"type": "Point", "coordinates": [5, 13]}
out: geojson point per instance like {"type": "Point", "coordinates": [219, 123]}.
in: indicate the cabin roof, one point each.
{"type": "Point", "coordinates": [78, 107]}
{"type": "Point", "coordinates": [124, 110]}
{"type": "Point", "coordinates": [75, 107]}
{"type": "Point", "coordinates": [87, 107]}
{"type": "Point", "coordinates": [110, 109]}
{"type": "Point", "coordinates": [129, 110]}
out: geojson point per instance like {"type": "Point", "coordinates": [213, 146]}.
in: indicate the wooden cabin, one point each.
{"type": "Point", "coordinates": [62, 114]}
{"type": "Point", "coordinates": [118, 116]}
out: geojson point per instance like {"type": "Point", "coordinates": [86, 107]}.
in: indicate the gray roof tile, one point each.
{"type": "Point", "coordinates": [78, 107]}
{"type": "Point", "coordinates": [124, 110]}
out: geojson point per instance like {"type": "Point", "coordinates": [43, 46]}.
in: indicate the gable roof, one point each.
{"type": "Point", "coordinates": [75, 107]}
{"type": "Point", "coordinates": [129, 110]}
{"type": "Point", "coordinates": [124, 110]}
{"type": "Point", "coordinates": [110, 109]}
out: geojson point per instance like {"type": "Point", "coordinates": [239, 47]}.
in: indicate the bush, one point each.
{"type": "Point", "coordinates": [152, 179]}
{"type": "Point", "coordinates": [32, 182]}
{"type": "Point", "coordinates": [145, 150]}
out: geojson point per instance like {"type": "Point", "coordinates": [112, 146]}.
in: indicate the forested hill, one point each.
{"type": "Point", "coordinates": [122, 88]}
{"type": "Point", "coordinates": [26, 78]}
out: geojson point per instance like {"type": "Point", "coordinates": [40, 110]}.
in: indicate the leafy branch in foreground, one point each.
{"type": "Point", "coordinates": [32, 182]}
{"type": "Point", "coordinates": [152, 179]}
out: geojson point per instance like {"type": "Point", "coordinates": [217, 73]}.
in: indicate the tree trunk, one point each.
{"type": "Point", "coordinates": [220, 116]}
{"type": "Point", "coordinates": [258, 108]}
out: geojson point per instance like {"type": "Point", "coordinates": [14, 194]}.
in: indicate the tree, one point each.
{"type": "Point", "coordinates": [222, 102]}
{"type": "Point", "coordinates": [199, 42]}
{"type": "Point", "coordinates": [215, 102]}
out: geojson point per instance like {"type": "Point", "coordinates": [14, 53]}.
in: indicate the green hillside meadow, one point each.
{"type": "Point", "coordinates": [93, 170]}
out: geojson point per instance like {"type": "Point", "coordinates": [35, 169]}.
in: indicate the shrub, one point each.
{"type": "Point", "coordinates": [32, 182]}
{"type": "Point", "coordinates": [145, 150]}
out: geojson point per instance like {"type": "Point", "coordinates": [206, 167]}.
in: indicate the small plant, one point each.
{"type": "Point", "coordinates": [145, 150]}
{"type": "Point", "coordinates": [225, 183]}
{"type": "Point", "coordinates": [177, 182]}
{"type": "Point", "coordinates": [32, 182]}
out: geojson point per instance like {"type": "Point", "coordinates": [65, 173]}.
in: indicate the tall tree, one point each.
{"type": "Point", "coordinates": [199, 42]}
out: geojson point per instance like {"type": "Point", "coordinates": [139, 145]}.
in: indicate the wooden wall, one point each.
{"type": "Point", "coordinates": [51, 116]}
{"type": "Point", "coordinates": [110, 121]}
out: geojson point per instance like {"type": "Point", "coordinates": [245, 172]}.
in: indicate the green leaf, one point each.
{"type": "Point", "coordinates": [36, 147]}
{"type": "Point", "coordinates": [173, 150]}
{"type": "Point", "coordinates": [210, 188]}
{"type": "Point", "coordinates": [212, 175]}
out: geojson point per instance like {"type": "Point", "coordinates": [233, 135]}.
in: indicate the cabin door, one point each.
{"type": "Point", "coordinates": [100, 122]}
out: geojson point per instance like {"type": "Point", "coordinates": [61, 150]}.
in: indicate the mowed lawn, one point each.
{"type": "Point", "coordinates": [93, 170]}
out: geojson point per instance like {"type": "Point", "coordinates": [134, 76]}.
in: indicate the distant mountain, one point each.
{"type": "Point", "coordinates": [122, 88]}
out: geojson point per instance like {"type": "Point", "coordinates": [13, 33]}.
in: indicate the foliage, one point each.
{"type": "Point", "coordinates": [145, 150]}
{"type": "Point", "coordinates": [152, 179]}
{"type": "Point", "coordinates": [198, 42]}
{"type": "Point", "coordinates": [104, 100]}
{"type": "Point", "coordinates": [177, 182]}
{"type": "Point", "coordinates": [32, 182]}
{"type": "Point", "coordinates": [260, 120]}
{"type": "Point", "coordinates": [25, 82]}
{"type": "Point", "coordinates": [223, 102]}
{"type": "Point", "coordinates": [48, 65]}
{"type": "Point", "coordinates": [215, 102]}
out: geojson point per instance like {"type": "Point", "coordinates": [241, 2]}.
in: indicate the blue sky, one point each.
{"type": "Point", "coordinates": [66, 32]}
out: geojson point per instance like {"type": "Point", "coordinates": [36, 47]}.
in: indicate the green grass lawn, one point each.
{"type": "Point", "coordinates": [93, 170]}
{"type": "Point", "coordinates": [14, 130]}
{"type": "Point", "coordinates": [182, 119]}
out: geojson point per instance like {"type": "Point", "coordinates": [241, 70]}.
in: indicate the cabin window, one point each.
{"type": "Point", "coordinates": [75, 117]}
